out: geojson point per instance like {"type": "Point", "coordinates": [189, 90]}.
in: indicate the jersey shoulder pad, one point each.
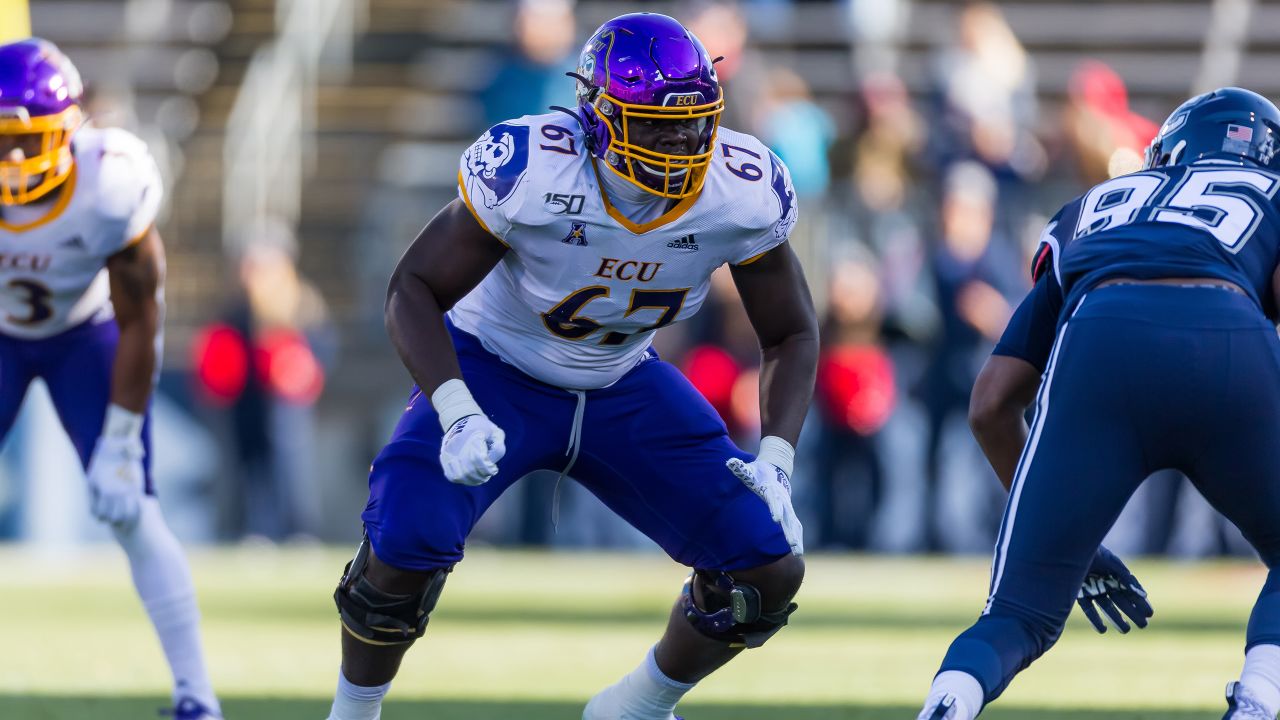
{"type": "Point", "coordinates": [785, 194]}
{"type": "Point", "coordinates": [127, 176]}
{"type": "Point", "coordinates": [494, 167]}
{"type": "Point", "coordinates": [767, 205]}
{"type": "Point", "coordinates": [513, 160]}
{"type": "Point", "coordinates": [1054, 238]}
{"type": "Point", "coordinates": [124, 182]}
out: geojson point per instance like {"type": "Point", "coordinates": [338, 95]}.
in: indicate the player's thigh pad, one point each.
{"type": "Point", "coordinates": [654, 451]}
{"type": "Point", "coordinates": [415, 518]}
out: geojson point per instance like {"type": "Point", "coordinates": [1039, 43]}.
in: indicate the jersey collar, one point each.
{"type": "Point", "coordinates": [666, 218]}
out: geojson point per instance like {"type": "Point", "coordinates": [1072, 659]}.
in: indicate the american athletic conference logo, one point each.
{"type": "Point", "coordinates": [577, 235]}
{"type": "Point", "coordinates": [688, 242]}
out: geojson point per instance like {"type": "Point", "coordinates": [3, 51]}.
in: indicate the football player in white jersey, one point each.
{"type": "Point", "coordinates": [81, 275]}
{"type": "Point", "coordinates": [524, 312]}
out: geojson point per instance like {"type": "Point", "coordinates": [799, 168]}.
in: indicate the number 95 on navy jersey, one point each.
{"type": "Point", "coordinates": [1207, 219]}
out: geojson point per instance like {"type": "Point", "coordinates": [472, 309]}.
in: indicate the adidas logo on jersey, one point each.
{"type": "Point", "coordinates": [577, 235]}
{"type": "Point", "coordinates": [688, 242]}
{"type": "Point", "coordinates": [75, 241]}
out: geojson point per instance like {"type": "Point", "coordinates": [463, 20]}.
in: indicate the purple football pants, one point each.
{"type": "Point", "coordinates": [76, 366]}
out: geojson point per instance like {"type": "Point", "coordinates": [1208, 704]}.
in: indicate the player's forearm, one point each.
{"type": "Point", "coordinates": [133, 374]}
{"type": "Point", "coordinates": [1002, 392]}
{"type": "Point", "coordinates": [1001, 432]}
{"type": "Point", "coordinates": [787, 374]}
{"type": "Point", "coordinates": [415, 322]}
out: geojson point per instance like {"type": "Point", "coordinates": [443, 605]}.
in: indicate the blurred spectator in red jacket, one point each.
{"type": "Point", "coordinates": [855, 396]}
{"type": "Point", "coordinates": [1104, 137]}
{"type": "Point", "coordinates": [263, 364]}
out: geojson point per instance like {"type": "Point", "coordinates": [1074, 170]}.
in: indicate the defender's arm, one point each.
{"type": "Point", "coordinates": [777, 301]}
{"type": "Point", "coordinates": [776, 298]}
{"type": "Point", "coordinates": [449, 257]}
{"type": "Point", "coordinates": [1005, 387]}
{"type": "Point", "coordinates": [116, 474]}
{"type": "Point", "coordinates": [137, 275]}
{"type": "Point", "coordinates": [1007, 384]}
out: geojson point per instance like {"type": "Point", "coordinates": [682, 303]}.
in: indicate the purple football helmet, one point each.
{"type": "Point", "coordinates": [40, 94]}
{"type": "Point", "coordinates": [649, 67]}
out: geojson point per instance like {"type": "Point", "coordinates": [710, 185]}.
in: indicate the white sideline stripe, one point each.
{"type": "Point", "coordinates": [1024, 463]}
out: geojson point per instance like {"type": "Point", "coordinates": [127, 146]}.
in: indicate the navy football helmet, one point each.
{"type": "Point", "coordinates": [1230, 123]}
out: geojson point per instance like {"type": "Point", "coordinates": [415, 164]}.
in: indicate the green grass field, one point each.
{"type": "Point", "coordinates": [523, 636]}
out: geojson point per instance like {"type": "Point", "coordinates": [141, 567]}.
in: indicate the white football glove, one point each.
{"type": "Point", "coordinates": [770, 481]}
{"type": "Point", "coordinates": [472, 445]}
{"type": "Point", "coordinates": [471, 449]}
{"type": "Point", "coordinates": [115, 474]}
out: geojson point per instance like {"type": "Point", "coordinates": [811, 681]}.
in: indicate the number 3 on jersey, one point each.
{"type": "Point", "coordinates": [563, 319]}
{"type": "Point", "coordinates": [1212, 200]}
{"type": "Point", "coordinates": [36, 296]}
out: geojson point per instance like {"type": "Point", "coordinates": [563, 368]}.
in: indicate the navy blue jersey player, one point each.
{"type": "Point", "coordinates": [1148, 342]}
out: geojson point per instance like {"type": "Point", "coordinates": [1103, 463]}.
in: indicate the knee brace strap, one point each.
{"type": "Point", "coordinates": [381, 618]}
{"type": "Point", "coordinates": [736, 613]}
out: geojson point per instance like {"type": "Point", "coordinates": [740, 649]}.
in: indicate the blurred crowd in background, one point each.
{"type": "Point", "coordinates": [920, 208]}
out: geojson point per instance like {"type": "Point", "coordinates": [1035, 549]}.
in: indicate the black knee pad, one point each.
{"type": "Point", "coordinates": [735, 611]}
{"type": "Point", "coordinates": [381, 618]}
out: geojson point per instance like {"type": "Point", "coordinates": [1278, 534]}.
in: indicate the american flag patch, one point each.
{"type": "Point", "coordinates": [1243, 133]}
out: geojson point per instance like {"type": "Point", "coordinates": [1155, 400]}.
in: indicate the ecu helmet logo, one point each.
{"type": "Point", "coordinates": [683, 100]}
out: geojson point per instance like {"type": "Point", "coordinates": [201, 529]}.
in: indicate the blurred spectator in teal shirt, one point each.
{"type": "Point", "coordinates": [798, 130]}
{"type": "Point", "coordinates": [531, 76]}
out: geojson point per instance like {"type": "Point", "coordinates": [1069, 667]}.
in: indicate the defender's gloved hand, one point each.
{"type": "Point", "coordinates": [115, 474]}
{"type": "Point", "coordinates": [1110, 586]}
{"type": "Point", "coordinates": [472, 445]}
{"type": "Point", "coordinates": [471, 449]}
{"type": "Point", "coordinates": [769, 477]}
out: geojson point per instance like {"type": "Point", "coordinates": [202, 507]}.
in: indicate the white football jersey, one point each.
{"type": "Point", "coordinates": [576, 300]}
{"type": "Point", "coordinates": [53, 253]}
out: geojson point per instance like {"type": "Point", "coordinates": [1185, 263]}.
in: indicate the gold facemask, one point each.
{"type": "Point", "coordinates": [681, 175]}
{"type": "Point", "coordinates": [27, 180]}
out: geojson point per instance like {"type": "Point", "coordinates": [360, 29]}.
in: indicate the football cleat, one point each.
{"type": "Point", "coordinates": [188, 708]}
{"type": "Point", "coordinates": [944, 710]}
{"type": "Point", "coordinates": [1240, 706]}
